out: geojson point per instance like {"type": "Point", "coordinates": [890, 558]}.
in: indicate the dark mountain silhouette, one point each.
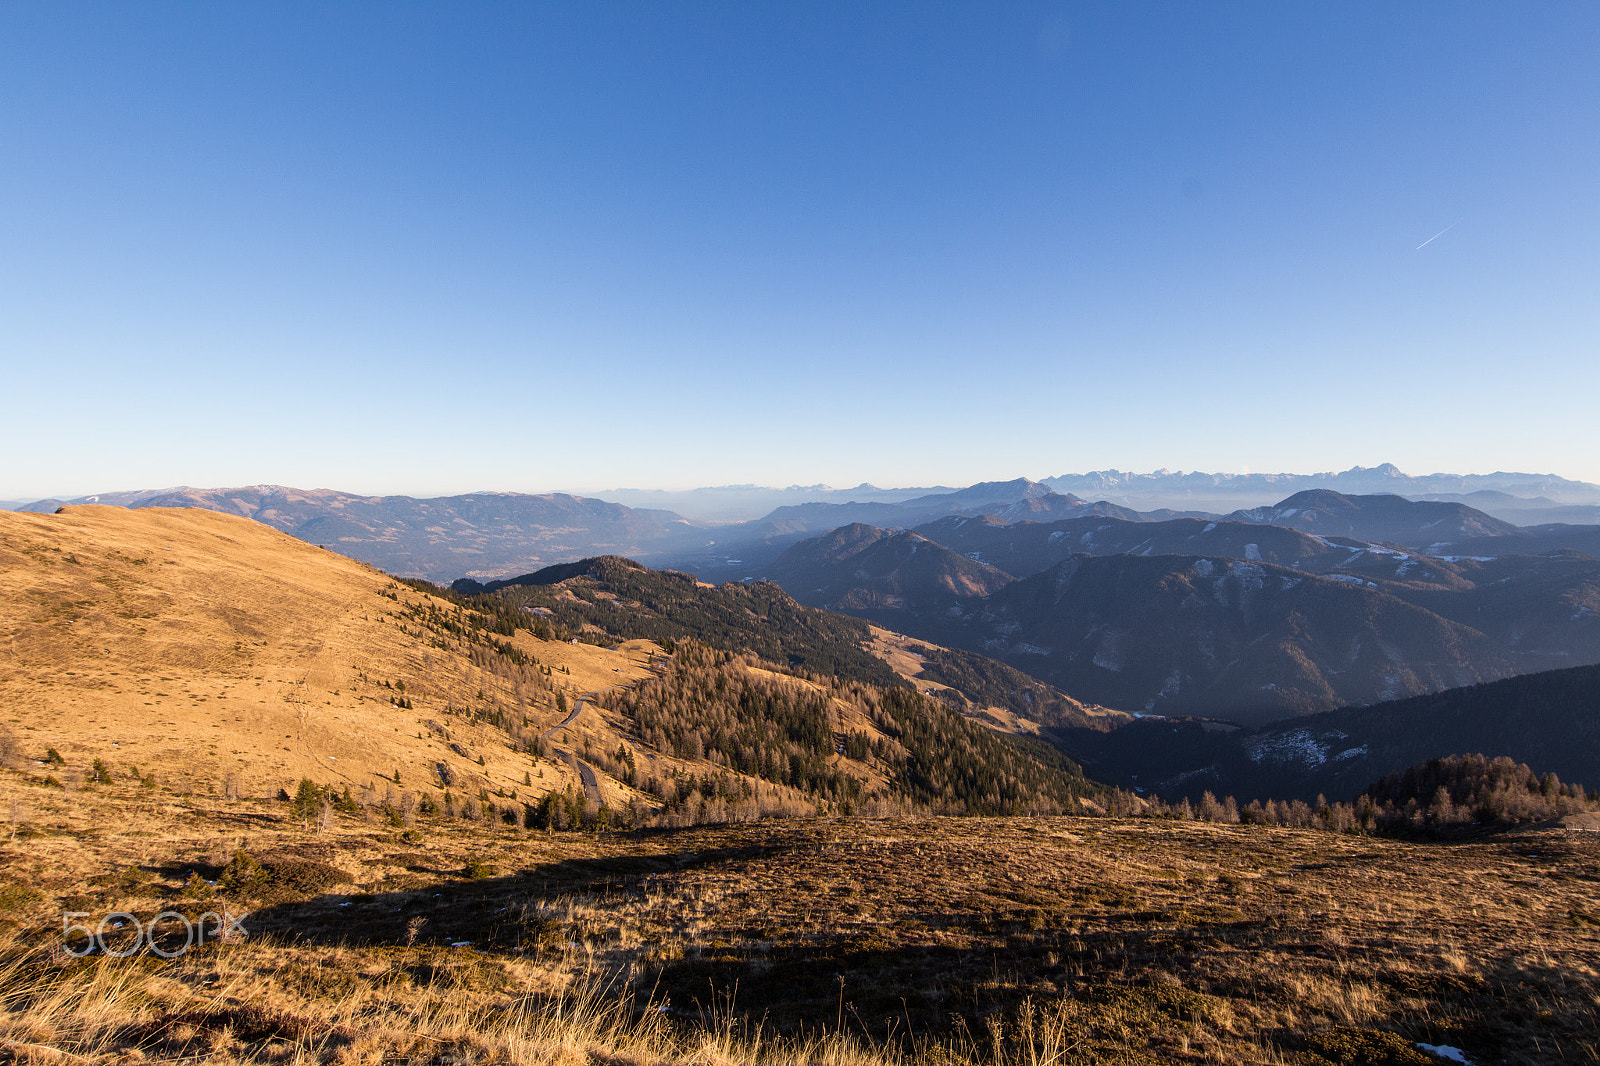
{"type": "Point", "coordinates": [1550, 720]}
{"type": "Point", "coordinates": [1028, 547]}
{"type": "Point", "coordinates": [1534, 540]}
{"type": "Point", "coordinates": [879, 574]}
{"type": "Point", "coordinates": [1195, 635]}
{"type": "Point", "coordinates": [1381, 518]}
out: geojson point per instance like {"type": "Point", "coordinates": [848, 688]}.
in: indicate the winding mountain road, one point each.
{"type": "Point", "coordinates": [591, 780]}
{"type": "Point", "coordinates": [586, 774]}
{"type": "Point", "coordinates": [577, 709]}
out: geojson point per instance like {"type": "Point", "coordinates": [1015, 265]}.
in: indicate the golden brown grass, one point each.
{"type": "Point", "coordinates": [945, 941]}
{"type": "Point", "coordinates": [223, 661]}
{"type": "Point", "coordinates": [210, 649]}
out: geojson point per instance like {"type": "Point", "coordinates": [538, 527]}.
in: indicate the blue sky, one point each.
{"type": "Point", "coordinates": [435, 248]}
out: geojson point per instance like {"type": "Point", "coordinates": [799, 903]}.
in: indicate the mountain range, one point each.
{"type": "Point", "coordinates": [1231, 618]}
{"type": "Point", "coordinates": [498, 534]}
{"type": "Point", "coordinates": [1226, 492]}
{"type": "Point", "coordinates": [484, 534]}
{"type": "Point", "coordinates": [1551, 498]}
{"type": "Point", "coordinates": [139, 589]}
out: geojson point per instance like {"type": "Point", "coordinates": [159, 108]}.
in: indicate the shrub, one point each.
{"type": "Point", "coordinates": [307, 799]}
{"type": "Point", "coordinates": [243, 873]}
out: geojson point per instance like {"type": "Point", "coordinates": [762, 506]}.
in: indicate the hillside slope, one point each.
{"type": "Point", "coordinates": [218, 652]}
{"type": "Point", "coordinates": [868, 570]}
{"type": "Point", "coordinates": [1393, 519]}
{"type": "Point", "coordinates": [1550, 720]}
{"type": "Point", "coordinates": [609, 599]}
{"type": "Point", "coordinates": [202, 652]}
{"type": "Point", "coordinates": [1249, 641]}
{"type": "Point", "coordinates": [1025, 548]}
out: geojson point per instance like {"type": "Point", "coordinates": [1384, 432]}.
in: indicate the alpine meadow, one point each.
{"type": "Point", "coordinates": [639, 536]}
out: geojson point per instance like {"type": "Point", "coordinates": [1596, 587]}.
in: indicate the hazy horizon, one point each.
{"type": "Point", "coordinates": [818, 486]}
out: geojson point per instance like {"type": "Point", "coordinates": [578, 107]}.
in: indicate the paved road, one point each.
{"type": "Point", "coordinates": [586, 774]}
{"type": "Point", "coordinates": [577, 709]}
{"type": "Point", "coordinates": [591, 781]}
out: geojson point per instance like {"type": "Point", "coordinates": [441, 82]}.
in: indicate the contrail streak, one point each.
{"type": "Point", "coordinates": [1436, 236]}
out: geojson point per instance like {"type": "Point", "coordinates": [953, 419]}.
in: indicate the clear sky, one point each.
{"type": "Point", "coordinates": [432, 248]}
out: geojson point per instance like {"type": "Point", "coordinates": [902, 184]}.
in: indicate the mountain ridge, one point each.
{"type": "Point", "coordinates": [1241, 637]}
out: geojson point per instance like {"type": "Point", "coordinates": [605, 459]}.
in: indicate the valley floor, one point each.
{"type": "Point", "coordinates": [1010, 941]}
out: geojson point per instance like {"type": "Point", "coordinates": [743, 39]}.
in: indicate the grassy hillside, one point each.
{"type": "Point", "coordinates": [199, 652]}
{"type": "Point", "coordinates": [215, 651]}
{"type": "Point", "coordinates": [167, 672]}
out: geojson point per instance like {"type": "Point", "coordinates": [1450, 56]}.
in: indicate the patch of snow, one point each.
{"type": "Point", "coordinates": [1203, 567]}
{"type": "Point", "coordinates": [1296, 746]}
{"type": "Point", "coordinates": [1291, 582]}
{"type": "Point", "coordinates": [1252, 552]}
{"type": "Point", "coordinates": [1057, 535]}
{"type": "Point", "coordinates": [1350, 753]}
{"type": "Point", "coordinates": [1108, 653]}
{"type": "Point", "coordinates": [1445, 1052]}
{"type": "Point", "coordinates": [1030, 649]}
{"type": "Point", "coordinates": [1209, 527]}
